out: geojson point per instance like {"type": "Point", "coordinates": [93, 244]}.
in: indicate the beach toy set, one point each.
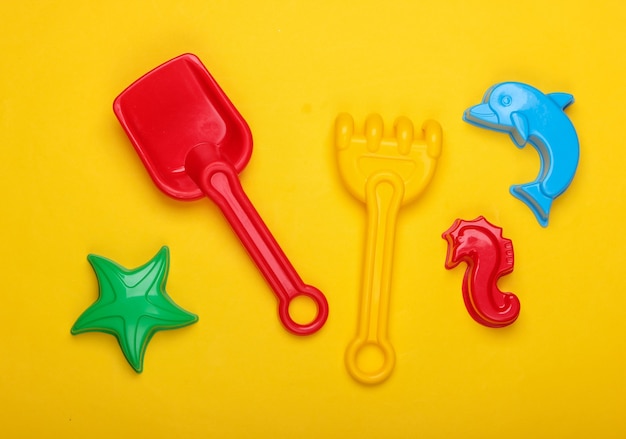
{"type": "Point", "coordinates": [194, 143]}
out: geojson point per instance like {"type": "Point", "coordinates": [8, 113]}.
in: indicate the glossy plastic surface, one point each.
{"type": "Point", "coordinates": [193, 141]}
{"type": "Point", "coordinates": [530, 116]}
{"type": "Point", "coordinates": [74, 185]}
{"type": "Point", "coordinates": [384, 173]}
{"type": "Point", "coordinates": [489, 256]}
{"type": "Point", "coordinates": [133, 305]}
{"type": "Point", "coordinates": [173, 108]}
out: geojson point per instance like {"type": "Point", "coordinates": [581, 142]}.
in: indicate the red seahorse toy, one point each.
{"type": "Point", "coordinates": [489, 256]}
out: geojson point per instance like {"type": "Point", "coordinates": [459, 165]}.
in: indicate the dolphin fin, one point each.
{"type": "Point", "coordinates": [520, 135]}
{"type": "Point", "coordinates": [532, 195]}
{"type": "Point", "coordinates": [563, 100]}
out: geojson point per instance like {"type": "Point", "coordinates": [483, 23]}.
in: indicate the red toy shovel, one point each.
{"type": "Point", "coordinates": [193, 142]}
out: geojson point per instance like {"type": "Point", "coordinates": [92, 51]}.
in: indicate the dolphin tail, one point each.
{"type": "Point", "coordinates": [532, 195]}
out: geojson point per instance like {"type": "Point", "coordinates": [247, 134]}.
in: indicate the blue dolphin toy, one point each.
{"type": "Point", "coordinates": [530, 116]}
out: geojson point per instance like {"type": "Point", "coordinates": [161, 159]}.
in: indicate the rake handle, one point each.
{"type": "Point", "coordinates": [384, 193]}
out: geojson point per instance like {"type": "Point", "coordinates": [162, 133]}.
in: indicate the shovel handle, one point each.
{"type": "Point", "coordinates": [218, 179]}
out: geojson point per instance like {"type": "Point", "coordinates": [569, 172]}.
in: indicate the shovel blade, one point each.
{"type": "Point", "coordinates": [174, 108]}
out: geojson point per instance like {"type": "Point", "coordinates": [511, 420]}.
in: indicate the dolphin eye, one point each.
{"type": "Point", "coordinates": [506, 100]}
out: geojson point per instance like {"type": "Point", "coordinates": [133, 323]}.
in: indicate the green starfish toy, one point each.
{"type": "Point", "coordinates": [133, 305]}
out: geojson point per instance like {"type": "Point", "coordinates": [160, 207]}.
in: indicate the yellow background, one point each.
{"type": "Point", "coordinates": [73, 185]}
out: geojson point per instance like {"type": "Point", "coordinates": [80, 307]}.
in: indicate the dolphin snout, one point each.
{"type": "Point", "coordinates": [481, 114]}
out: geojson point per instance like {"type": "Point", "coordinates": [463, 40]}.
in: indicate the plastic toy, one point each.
{"type": "Point", "coordinates": [384, 173]}
{"type": "Point", "coordinates": [530, 116]}
{"type": "Point", "coordinates": [193, 142]}
{"type": "Point", "coordinates": [133, 305]}
{"type": "Point", "coordinates": [489, 256]}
